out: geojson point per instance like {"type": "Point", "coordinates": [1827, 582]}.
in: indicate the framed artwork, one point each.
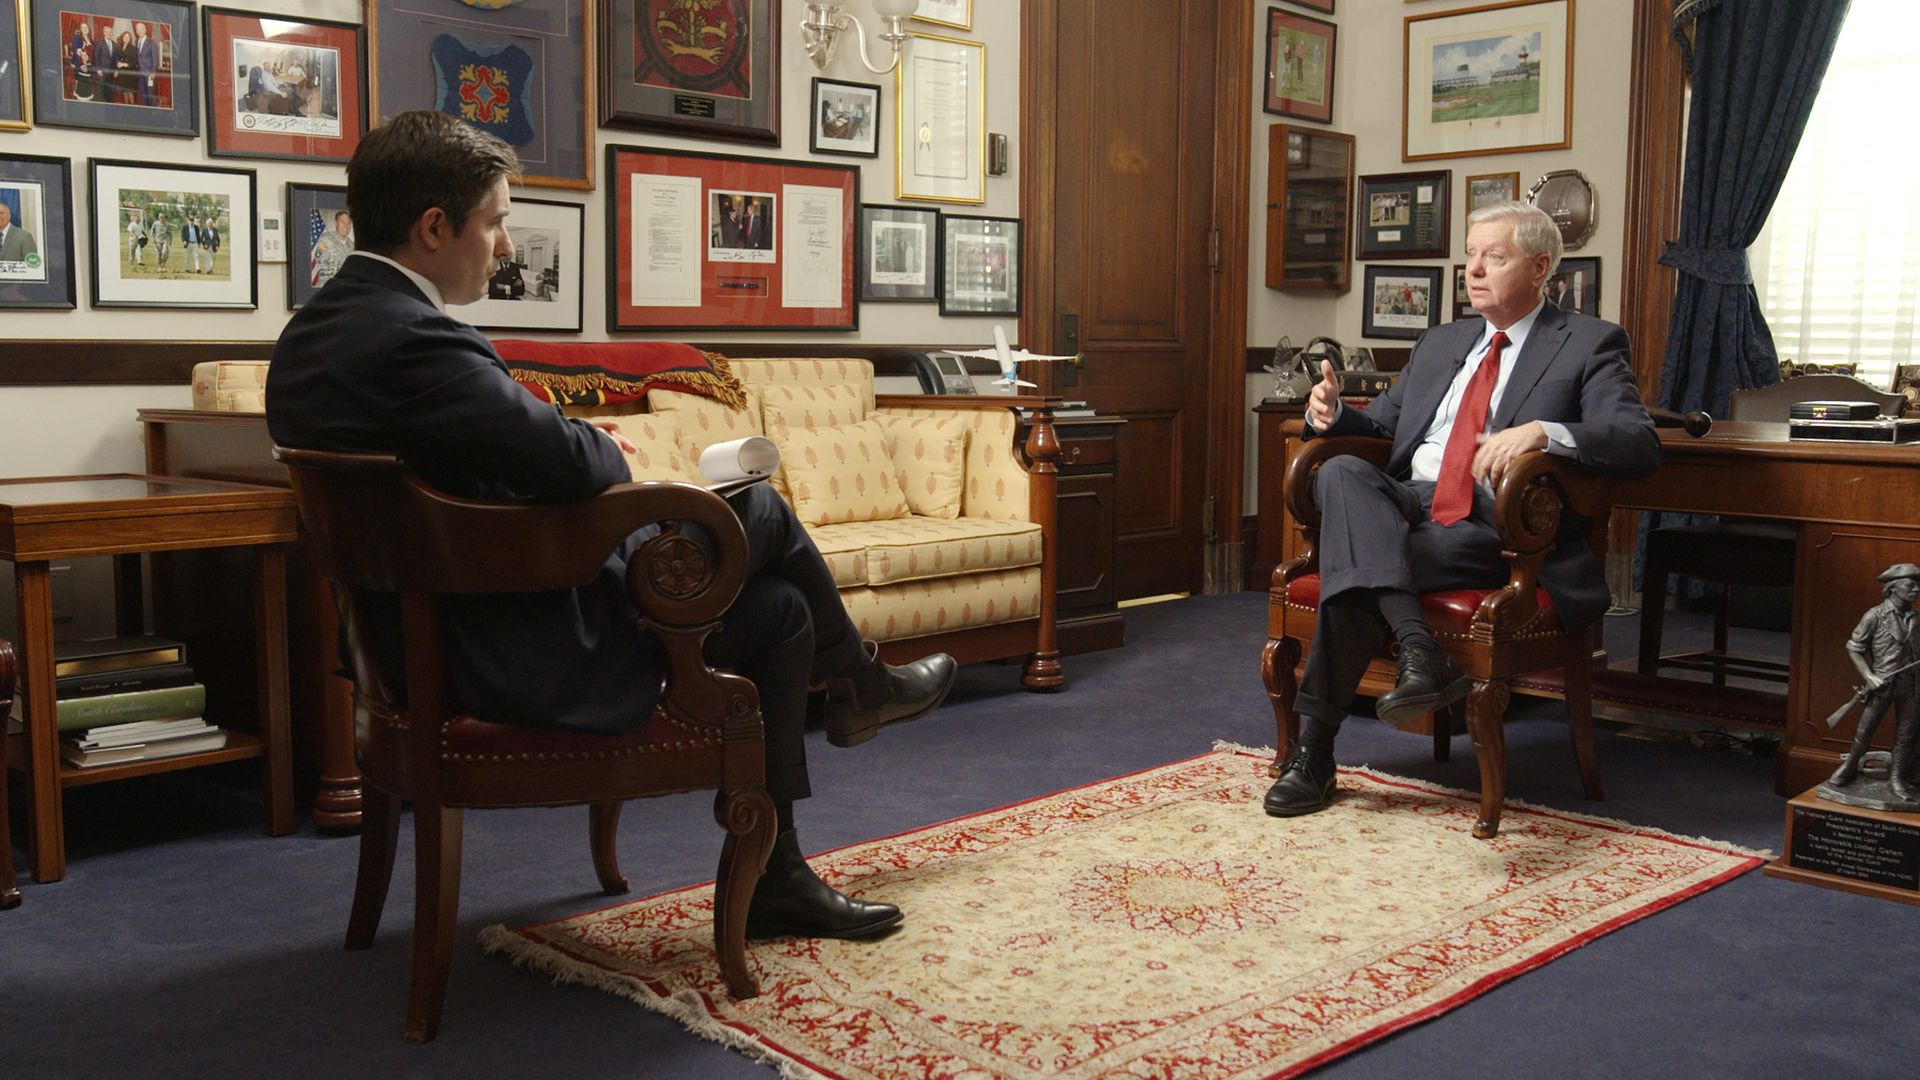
{"type": "Point", "coordinates": [36, 232]}
{"type": "Point", "coordinates": [540, 286]}
{"type": "Point", "coordinates": [703, 69]}
{"type": "Point", "coordinates": [1462, 301]}
{"type": "Point", "coordinates": [1401, 301]}
{"type": "Point", "coordinates": [722, 242]}
{"type": "Point", "coordinates": [1299, 66]}
{"type": "Point", "coordinates": [319, 238]}
{"type": "Point", "coordinates": [1404, 215]}
{"type": "Point", "coordinates": [1488, 80]}
{"type": "Point", "coordinates": [15, 108]}
{"type": "Point", "coordinates": [845, 118]}
{"type": "Point", "coordinates": [522, 71]}
{"type": "Point", "coordinates": [1575, 286]}
{"type": "Point", "coordinates": [179, 236]}
{"type": "Point", "coordinates": [1318, 5]}
{"type": "Point", "coordinates": [116, 65]}
{"type": "Point", "coordinates": [294, 91]}
{"type": "Point", "coordinates": [940, 136]}
{"type": "Point", "coordinates": [955, 13]}
{"type": "Point", "coordinates": [979, 265]}
{"type": "Point", "coordinates": [1490, 188]}
{"type": "Point", "coordinates": [896, 253]}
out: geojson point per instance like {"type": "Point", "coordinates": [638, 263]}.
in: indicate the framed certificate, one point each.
{"type": "Point", "coordinates": [1404, 215]}
{"type": "Point", "coordinates": [940, 140]}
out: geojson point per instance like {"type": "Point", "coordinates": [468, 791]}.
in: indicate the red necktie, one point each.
{"type": "Point", "coordinates": [1453, 495]}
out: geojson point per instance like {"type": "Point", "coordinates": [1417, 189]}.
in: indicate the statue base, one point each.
{"type": "Point", "coordinates": [1870, 788]}
{"type": "Point", "coordinates": [1857, 849]}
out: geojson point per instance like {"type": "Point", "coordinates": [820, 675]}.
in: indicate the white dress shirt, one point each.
{"type": "Point", "coordinates": [431, 290]}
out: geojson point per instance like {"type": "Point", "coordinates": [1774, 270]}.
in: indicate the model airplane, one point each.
{"type": "Point", "coordinates": [1006, 357]}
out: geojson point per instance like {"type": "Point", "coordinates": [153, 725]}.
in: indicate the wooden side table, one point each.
{"type": "Point", "coordinates": [125, 515]}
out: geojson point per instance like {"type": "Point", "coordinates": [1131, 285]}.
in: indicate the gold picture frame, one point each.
{"type": "Point", "coordinates": [955, 13]}
{"type": "Point", "coordinates": [18, 71]}
{"type": "Point", "coordinates": [940, 133]}
{"type": "Point", "coordinates": [1468, 89]}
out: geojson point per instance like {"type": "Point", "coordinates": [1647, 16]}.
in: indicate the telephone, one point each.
{"type": "Point", "coordinates": [942, 373]}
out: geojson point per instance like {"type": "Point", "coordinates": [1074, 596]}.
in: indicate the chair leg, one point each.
{"type": "Point", "coordinates": [379, 835]}
{"type": "Point", "coordinates": [1720, 638]}
{"type": "Point", "coordinates": [1278, 658]}
{"type": "Point", "coordinates": [1486, 712]}
{"type": "Point", "coordinates": [436, 910]}
{"type": "Point", "coordinates": [1653, 612]}
{"type": "Point", "coordinates": [747, 815]}
{"type": "Point", "coordinates": [1579, 685]}
{"type": "Point", "coordinates": [1442, 722]}
{"type": "Point", "coordinates": [603, 824]}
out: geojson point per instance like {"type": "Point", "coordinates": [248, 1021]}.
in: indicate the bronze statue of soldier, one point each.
{"type": "Point", "coordinates": [1885, 650]}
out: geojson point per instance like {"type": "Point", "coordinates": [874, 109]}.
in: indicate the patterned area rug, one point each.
{"type": "Point", "coordinates": [1153, 925]}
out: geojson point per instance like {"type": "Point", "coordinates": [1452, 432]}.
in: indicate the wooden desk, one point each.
{"type": "Point", "coordinates": [1087, 612]}
{"type": "Point", "coordinates": [124, 515]}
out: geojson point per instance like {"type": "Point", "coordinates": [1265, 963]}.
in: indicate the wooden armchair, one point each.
{"type": "Point", "coordinates": [9, 668]}
{"type": "Point", "coordinates": [1492, 635]}
{"type": "Point", "coordinates": [375, 527]}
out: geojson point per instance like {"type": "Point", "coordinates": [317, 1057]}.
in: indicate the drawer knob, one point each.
{"type": "Point", "coordinates": [1073, 455]}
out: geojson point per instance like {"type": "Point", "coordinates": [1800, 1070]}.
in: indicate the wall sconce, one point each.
{"type": "Point", "coordinates": [824, 22]}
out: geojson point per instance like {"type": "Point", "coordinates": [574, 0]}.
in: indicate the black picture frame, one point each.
{"type": "Point", "coordinates": [1404, 215]}
{"type": "Point", "coordinates": [858, 106]}
{"type": "Point", "coordinates": [115, 285]}
{"type": "Point", "coordinates": [887, 235]}
{"type": "Point", "coordinates": [15, 89]}
{"type": "Point", "coordinates": [980, 265]}
{"type": "Point", "coordinates": [271, 130]}
{"type": "Point", "coordinates": [1582, 277]}
{"type": "Point", "coordinates": [533, 295]}
{"type": "Point", "coordinates": [735, 97]}
{"type": "Point", "coordinates": [43, 189]}
{"type": "Point", "coordinates": [1405, 316]}
{"type": "Point", "coordinates": [305, 273]}
{"type": "Point", "coordinates": [1462, 305]}
{"type": "Point", "coordinates": [173, 85]}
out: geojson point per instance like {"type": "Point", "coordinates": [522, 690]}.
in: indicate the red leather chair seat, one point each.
{"type": "Point", "coordinates": [1449, 612]}
{"type": "Point", "coordinates": [468, 735]}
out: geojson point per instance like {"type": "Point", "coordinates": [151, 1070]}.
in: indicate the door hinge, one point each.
{"type": "Point", "coordinates": [1206, 518]}
{"type": "Point", "coordinates": [1213, 250]}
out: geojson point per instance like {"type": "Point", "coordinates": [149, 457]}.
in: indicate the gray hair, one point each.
{"type": "Point", "coordinates": [1533, 230]}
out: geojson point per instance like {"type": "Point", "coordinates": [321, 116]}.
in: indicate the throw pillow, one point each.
{"type": "Point", "coordinates": [659, 452]}
{"type": "Point", "coordinates": [930, 454]}
{"type": "Point", "coordinates": [837, 474]}
{"type": "Point", "coordinates": [704, 421]}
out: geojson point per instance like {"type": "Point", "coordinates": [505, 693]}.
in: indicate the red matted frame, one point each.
{"type": "Point", "coordinates": [747, 292]}
{"type": "Point", "coordinates": [234, 132]}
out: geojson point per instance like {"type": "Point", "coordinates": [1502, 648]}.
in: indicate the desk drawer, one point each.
{"type": "Point", "coordinates": [1086, 451]}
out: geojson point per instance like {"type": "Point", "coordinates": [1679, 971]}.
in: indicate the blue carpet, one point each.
{"type": "Point", "coordinates": [185, 943]}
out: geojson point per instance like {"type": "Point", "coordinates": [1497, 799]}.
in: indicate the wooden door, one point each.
{"type": "Point", "coordinates": [1118, 191]}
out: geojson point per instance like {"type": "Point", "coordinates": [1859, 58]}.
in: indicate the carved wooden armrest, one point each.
{"type": "Point", "coordinates": [1532, 501]}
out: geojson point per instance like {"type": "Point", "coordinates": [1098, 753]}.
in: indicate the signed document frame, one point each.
{"type": "Point", "coordinates": [278, 88]}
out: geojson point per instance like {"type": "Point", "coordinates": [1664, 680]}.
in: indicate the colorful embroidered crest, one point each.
{"type": "Point", "coordinates": [700, 45]}
{"type": "Point", "coordinates": [485, 85]}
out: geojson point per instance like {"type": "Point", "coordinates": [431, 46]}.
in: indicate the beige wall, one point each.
{"type": "Point", "coordinates": [1367, 105]}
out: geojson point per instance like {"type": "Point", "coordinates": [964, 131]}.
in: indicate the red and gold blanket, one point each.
{"type": "Point", "coordinates": [617, 372]}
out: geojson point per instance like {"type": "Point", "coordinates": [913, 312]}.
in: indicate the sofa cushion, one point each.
{"type": "Point", "coordinates": [660, 451]}
{"type": "Point", "coordinates": [787, 408]}
{"type": "Point", "coordinates": [854, 374]}
{"type": "Point", "coordinates": [844, 547]}
{"type": "Point", "coordinates": [938, 605]}
{"type": "Point", "coordinates": [916, 548]}
{"type": "Point", "coordinates": [837, 474]}
{"type": "Point", "coordinates": [931, 454]}
{"type": "Point", "coordinates": [704, 421]}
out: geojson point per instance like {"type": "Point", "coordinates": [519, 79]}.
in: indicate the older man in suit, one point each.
{"type": "Point", "coordinates": [16, 243]}
{"type": "Point", "coordinates": [374, 363]}
{"type": "Point", "coordinates": [1474, 396]}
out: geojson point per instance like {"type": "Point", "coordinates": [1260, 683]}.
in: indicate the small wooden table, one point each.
{"type": "Point", "coordinates": [124, 515]}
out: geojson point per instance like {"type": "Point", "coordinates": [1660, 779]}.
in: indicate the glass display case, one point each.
{"type": "Point", "coordinates": [1309, 208]}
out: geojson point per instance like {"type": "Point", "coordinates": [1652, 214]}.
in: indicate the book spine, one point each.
{"type": "Point", "coordinates": [121, 682]}
{"type": "Point", "coordinates": [164, 704]}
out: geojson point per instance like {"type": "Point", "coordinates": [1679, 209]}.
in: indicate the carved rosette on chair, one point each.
{"type": "Point", "coordinates": [1492, 635]}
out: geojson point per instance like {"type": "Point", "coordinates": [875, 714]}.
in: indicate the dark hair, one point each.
{"type": "Point", "coordinates": [417, 161]}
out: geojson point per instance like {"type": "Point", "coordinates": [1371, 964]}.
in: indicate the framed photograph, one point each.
{"type": "Point", "coordinates": [1462, 301]}
{"type": "Point", "coordinates": [1488, 80]}
{"type": "Point", "coordinates": [319, 238]}
{"type": "Point", "coordinates": [1491, 188]}
{"type": "Point", "coordinates": [979, 265]}
{"type": "Point", "coordinates": [1575, 286]}
{"type": "Point", "coordinates": [721, 242]}
{"type": "Point", "coordinates": [1318, 5]}
{"type": "Point", "coordinates": [1404, 215]}
{"type": "Point", "coordinates": [116, 65]}
{"type": "Point", "coordinates": [522, 71]}
{"type": "Point", "coordinates": [703, 69]}
{"type": "Point", "coordinates": [1299, 66]}
{"type": "Point", "coordinates": [955, 13]}
{"type": "Point", "coordinates": [896, 253]}
{"type": "Point", "coordinates": [1401, 301]}
{"type": "Point", "coordinates": [845, 118]}
{"type": "Point", "coordinates": [15, 108]}
{"type": "Point", "coordinates": [538, 287]}
{"type": "Point", "coordinates": [940, 143]}
{"type": "Point", "coordinates": [36, 232]}
{"type": "Point", "coordinates": [177, 236]}
{"type": "Point", "coordinates": [294, 91]}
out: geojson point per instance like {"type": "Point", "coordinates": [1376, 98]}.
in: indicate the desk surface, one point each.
{"type": "Point", "coordinates": [59, 517]}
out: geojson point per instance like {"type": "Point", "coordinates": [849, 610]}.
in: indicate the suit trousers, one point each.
{"type": "Point", "coordinates": [1376, 533]}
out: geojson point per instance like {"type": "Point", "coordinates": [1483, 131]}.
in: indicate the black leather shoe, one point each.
{"type": "Point", "coordinates": [1305, 785]}
{"type": "Point", "coordinates": [792, 901]}
{"type": "Point", "coordinates": [884, 694]}
{"type": "Point", "coordinates": [1427, 681]}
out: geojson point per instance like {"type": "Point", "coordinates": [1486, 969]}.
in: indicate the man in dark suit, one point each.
{"type": "Point", "coordinates": [148, 53]}
{"type": "Point", "coordinates": [1474, 396]}
{"type": "Point", "coordinates": [374, 363]}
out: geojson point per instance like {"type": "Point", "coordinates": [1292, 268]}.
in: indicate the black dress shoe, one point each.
{"type": "Point", "coordinates": [792, 901]}
{"type": "Point", "coordinates": [883, 694]}
{"type": "Point", "coordinates": [1305, 785]}
{"type": "Point", "coordinates": [1427, 681]}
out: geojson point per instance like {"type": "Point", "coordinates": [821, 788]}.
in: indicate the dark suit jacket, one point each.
{"type": "Point", "coordinates": [369, 365]}
{"type": "Point", "coordinates": [1572, 370]}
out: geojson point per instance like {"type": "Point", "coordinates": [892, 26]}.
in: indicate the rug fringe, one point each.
{"type": "Point", "coordinates": [684, 1006]}
{"type": "Point", "coordinates": [1522, 804]}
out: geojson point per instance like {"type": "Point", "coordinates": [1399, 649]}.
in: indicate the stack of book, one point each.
{"type": "Point", "coordinates": [127, 699]}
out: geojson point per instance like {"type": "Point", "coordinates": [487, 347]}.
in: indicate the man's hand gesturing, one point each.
{"type": "Point", "coordinates": [1324, 403]}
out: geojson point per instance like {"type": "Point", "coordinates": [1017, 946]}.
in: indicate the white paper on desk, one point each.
{"type": "Point", "coordinates": [735, 464]}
